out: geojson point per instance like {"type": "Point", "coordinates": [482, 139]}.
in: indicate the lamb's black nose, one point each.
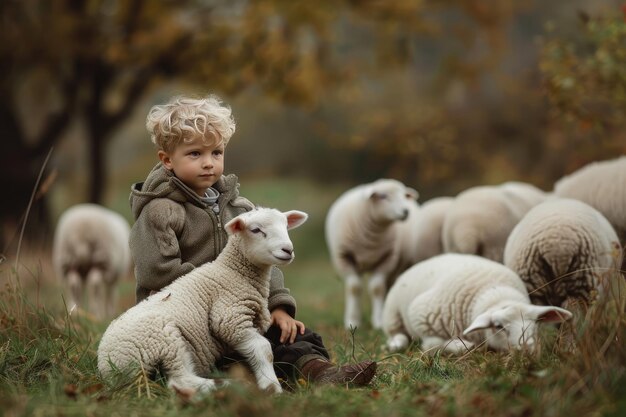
{"type": "Point", "coordinates": [288, 251]}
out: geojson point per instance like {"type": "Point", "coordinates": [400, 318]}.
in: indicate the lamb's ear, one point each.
{"type": "Point", "coordinates": [295, 218]}
{"type": "Point", "coordinates": [236, 225]}
{"type": "Point", "coordinates": [412, 193]}
{"type": "Point", "coordinates": [375, 195]}
{"type": "Point", "coordinates": [550, 314]}
{"type": "Point", "coordinates": [481, 322]}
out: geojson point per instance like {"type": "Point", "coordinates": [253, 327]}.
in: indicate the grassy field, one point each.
{"type": "Point", "coordinates": [48, 360]}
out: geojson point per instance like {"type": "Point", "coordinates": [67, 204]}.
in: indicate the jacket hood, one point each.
{"type": "Point", "coordinates": [162, 183]}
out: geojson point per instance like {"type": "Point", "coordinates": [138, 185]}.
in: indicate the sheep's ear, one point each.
{"type": "Point", "coordinates": [412, 193]}
{"type": "Point", "coordinates": [295, 218]}
{"type": "Point", "coordinates": [377, 195]}
{"type": "Point", "coordinates": [236, 225]}
{"type": "Point", "coordinates": [550, 314]}
{"type": "Point", "coordinates": [481, 322]}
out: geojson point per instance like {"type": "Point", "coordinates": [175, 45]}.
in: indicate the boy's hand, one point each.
{"type": "Point", "coordinates": [289, 326]}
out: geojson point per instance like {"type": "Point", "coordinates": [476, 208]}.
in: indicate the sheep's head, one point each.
{"type": "Point", "coordinates": [515, 326]}
{"type": "Point", "coordinates": [264, 237]}
{"type": "Point", "coordinates": [390, 200]}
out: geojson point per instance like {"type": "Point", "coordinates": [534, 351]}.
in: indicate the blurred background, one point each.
{"type": "Point", "coordinates": [441, 94]}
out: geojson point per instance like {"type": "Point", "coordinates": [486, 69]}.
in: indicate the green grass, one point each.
{"type": "Point", "coordinates": [48, 359]}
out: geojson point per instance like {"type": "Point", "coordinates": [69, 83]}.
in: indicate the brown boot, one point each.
{"type": "Point", "coordinates": [323, 372]}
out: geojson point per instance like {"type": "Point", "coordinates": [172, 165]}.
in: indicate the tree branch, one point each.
{"type": "Point", "coordinates": [143, 79]}
{"type": "Point", "coordinates": [59, 121]}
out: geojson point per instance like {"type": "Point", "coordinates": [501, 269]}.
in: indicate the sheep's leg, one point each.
{"type": "Point", "coordinates": [458, 345]}
{"type": "Point", "coordinates": [377, 290]}
{"type": "Point", "coordinates": [179, 367]}
{"type": "Point", "coordinates": [183, 378]}
{"type": "Point", "coordinates": [352, 313]}
{"type": "Point", "coordinates": [258, 353]}
{"type": "Point", "coordinates": [96, 292]}
{"type": "Point", "coordinates": [75, 285]}
{"type": "Point", "coordinates": [432, 344]}
{"type": "Point", "coordinates": [398, 342]}
{"type": "Point", "coordinates": [393, 325]}
{"type": "Point", "coordinates": [109, 298]}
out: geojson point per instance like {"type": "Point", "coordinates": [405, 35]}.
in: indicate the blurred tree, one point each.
{"type": "Point", "coordinates": [427, 116]}
{"type": "Point", "coordinates": [585, 77]}
{"type": "Point", "coordinates": [585, 81]}
{"type": "Point", "coordinates": [87, 63]}
{"type": "Point", "coordinates": [480, 113]}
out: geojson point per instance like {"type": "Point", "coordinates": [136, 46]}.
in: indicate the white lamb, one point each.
{"type": "Point", "coordinates": [481, 218]}
{"type": "Point", "coordinates": [220, 306]}
{"type": "Point", "coordinates": [602, 185]}
{"type": "Point", "coordinates": [565, 251]}
{"type": "Point", "coordinates": [90, 254]}
{"type": "Point", "coordinates": [427, 227]}
{"type": "Point", "coordinates": [366, 234]}
{"type": "Point", "coordinates": [453, 302]}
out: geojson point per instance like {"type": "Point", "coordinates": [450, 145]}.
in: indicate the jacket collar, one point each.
{"type": "Point", "coordinates": [162, 183]}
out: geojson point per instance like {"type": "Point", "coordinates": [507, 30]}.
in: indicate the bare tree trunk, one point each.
{"type": "Point", "coordinates": [17, 180]}
{"type": "Point", "coordinates": [97, 167]}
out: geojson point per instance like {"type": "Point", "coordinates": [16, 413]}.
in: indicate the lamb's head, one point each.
{"type": "Point", "coordinates": [263, 236]}
{"type": "Point", "coordinates": [514, 326]}
{"type": "Point", "coordinates": [390, 200]}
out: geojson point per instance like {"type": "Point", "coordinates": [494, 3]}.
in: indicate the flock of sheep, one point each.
{"type": "Point", "coordinates": [484, 267]}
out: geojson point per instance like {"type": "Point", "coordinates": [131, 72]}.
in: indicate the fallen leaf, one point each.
{"type": "Point", "coordinates": [71, 390]}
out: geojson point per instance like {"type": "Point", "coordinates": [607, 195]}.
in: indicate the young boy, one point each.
{"type": "Point", "coordinates": [180, 209]}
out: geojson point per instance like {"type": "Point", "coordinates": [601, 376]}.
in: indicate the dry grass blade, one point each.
{"type": "Point", "coordinates": [30, 204]}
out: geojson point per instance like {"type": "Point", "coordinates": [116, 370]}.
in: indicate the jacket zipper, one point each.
{"type": "Point", "coordinates": [225, 199]}
{"type": "Point", "coordinates": [218, 233]}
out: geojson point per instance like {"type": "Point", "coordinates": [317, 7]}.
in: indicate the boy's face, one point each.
{"type": "Point", "coordinates": [196, 164]}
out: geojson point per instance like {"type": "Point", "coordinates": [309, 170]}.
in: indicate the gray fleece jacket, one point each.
{"type": "Point", "coordinates": [175, 231]}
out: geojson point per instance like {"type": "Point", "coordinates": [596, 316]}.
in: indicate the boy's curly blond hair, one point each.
{"type": "Point", "coordinates": [184, 118]}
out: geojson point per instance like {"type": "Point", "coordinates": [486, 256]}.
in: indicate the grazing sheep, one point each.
{"type": "Point", "coordinates": [453, 302]}
{"type": "Point", "coordinates": [218, 307]}
{"type": "Point", "coordinates": [564, 250]}
{"type": "Point", "coordinates": [90, 253]}
{"type": "Point", "coordinates": [365, 234]}
{"type": "Point", "coordinates": [481, 218]}
{"type": "Point", "coordinates": [602, 185]}
{"type": "Point", "coordinates": [427, 227]}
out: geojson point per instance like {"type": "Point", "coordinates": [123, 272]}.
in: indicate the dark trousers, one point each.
{"type": "Point", "coordinates": [287, 357]}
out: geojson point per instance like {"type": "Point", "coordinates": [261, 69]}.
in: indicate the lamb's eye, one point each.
{"type": "Point", "coordinates": [257, 230]}
{"type": "Point", "coordinates": [498, 327]}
